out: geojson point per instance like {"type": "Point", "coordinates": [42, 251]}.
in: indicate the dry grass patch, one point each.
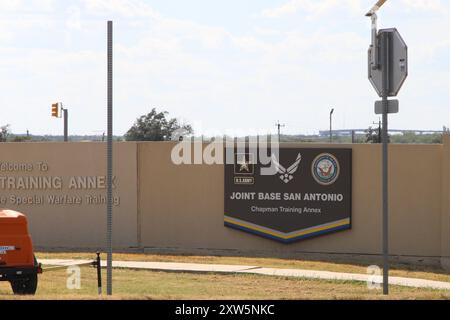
{"type": "Point", "coordinates": [398, 270]}
{"type": "Point", "coordinates": [130, 284]}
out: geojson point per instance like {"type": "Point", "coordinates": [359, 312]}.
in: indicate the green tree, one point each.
{"type": "Point", "coordinates": [372, 136]}
{"type": "Point", "coordinates": [4, 133]}
{"type": "Point", "coordinates": [21, 139]}
{"type": "Point", "coordinates": [156, 127]}
{"type": "Point", "coordinates": [411, 137]}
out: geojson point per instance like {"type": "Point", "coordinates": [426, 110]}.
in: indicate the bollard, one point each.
{"type": "Point", "coordinates": [98, 264]}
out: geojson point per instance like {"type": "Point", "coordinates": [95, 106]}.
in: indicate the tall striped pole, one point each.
{"type": "Point", "coordinates": [110, 159]}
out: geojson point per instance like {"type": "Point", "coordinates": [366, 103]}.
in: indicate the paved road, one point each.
{"type": "Point", "coordinates": [236, 269]}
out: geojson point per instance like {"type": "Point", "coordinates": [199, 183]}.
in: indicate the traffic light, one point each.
{"type": "Point", "coordinates": [58, 111]}
{"type": "Point", "coordinates": [55, 110]}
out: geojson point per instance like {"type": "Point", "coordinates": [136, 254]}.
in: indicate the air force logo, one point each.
{"type": "Point", "coordinates": [287, 175]}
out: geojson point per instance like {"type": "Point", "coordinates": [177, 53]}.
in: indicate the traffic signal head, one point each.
{"type": "Point", "coordinates": [55, 110]}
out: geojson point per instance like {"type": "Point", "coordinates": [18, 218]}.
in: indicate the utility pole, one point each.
{"type": "Point", "coordinates": [331, 125]}
{"type": "Point", "coordinates": [279, 126]}
{"type": "Point", "coordinates": [379, 130]}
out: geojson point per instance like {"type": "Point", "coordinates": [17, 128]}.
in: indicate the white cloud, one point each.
{"type": "Point", "coordinates": [27, 6]}
{"type": "Point", "coordinates": [42, 5]}
{"type": "Point", "coordinates": [315, 8]}
{"type": "Point", "coordinates": [425, 5]}
{"type": "Point", "coordinates": [127, 8]}
{"type": "Point", "coordinates": [20, 15]}
{"type": "Point", "coordinates": [10, 5]}
{"type": "Point", "coordinates": [311, 7]}
{"type": "Point", "coordinates": [74, 18]}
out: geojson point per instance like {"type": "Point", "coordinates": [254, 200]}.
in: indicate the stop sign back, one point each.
{"type": "Point", "coordinates": [398, 64]}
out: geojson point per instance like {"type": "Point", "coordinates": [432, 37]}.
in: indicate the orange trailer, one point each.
{"type": "Point", "coordinates": [18, 265]}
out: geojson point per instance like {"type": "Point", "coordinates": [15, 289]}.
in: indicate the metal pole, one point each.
{"type": "Point", "coordinates": [380, 132]}
{"type": "Point", "coordinates": [385, 71]}
{"type": "Point", "coordinates": [279, 126]}
{"type": "Point", "coordinates": [66, 125]}
{"type": "Point", "coordinates": [99, 274]}
{"type": "Point", "coordinates": [110, 159]}
{"type": "Point", "coordinates": [331, 125]}
{"type": "Point", "coordinates": [331, 128]}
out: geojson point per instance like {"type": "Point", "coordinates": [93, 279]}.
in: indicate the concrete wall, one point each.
{"type": "Point", "coordinates": [71, 225]}
{"type": "Point", "coordinates": [168, 207]}
{"type": "Point", "coordinates": [445, 200]}
{"type": "Point", "coordinates": [182, 206]}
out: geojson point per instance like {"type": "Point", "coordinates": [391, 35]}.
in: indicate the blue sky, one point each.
{"type": "Point", "coordinates": [234, 67]}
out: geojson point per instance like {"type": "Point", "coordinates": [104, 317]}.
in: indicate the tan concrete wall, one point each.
{"type": "Point", "coordinates": [445, 219]}
{"type": "Point", "coordinates": [183, 206]}
{"type": "Point", "coordinates": [75, 225]}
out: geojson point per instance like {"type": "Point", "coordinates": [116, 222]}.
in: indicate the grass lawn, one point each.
{"type": "Point", "coordinates": [399, 270]}
{"type": "Point", "coordinates": [130, 284]}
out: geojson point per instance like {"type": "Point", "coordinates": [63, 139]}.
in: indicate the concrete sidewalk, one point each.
{"type": "Point", "coordinates": [238, 269]}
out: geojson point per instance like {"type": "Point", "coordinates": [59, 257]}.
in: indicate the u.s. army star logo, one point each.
{"type": "Point", "coordinates": [244, 164]}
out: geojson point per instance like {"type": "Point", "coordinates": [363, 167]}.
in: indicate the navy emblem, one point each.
{"type": "Point", "coordinates": [325, 169]}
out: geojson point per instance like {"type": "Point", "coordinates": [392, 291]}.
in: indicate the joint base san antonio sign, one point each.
{"type": "Point", "coordinates": [307, 193]}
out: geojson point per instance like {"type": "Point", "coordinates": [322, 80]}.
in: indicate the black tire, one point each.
{"type": "Point", "coordinates": [27, 285]}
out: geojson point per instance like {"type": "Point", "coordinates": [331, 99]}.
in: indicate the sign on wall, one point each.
{"type": "Point", "coordinates": [61, 188]}
{"type": "Point", "coordinates": [307, 194]}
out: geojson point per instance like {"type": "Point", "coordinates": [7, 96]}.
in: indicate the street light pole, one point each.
{"type": "Point", "coordinates": [279, 126]}
{"type": "Point", "coordinates": [331, 125]}
{"type": "Point", "coordinates": [380, 131]}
